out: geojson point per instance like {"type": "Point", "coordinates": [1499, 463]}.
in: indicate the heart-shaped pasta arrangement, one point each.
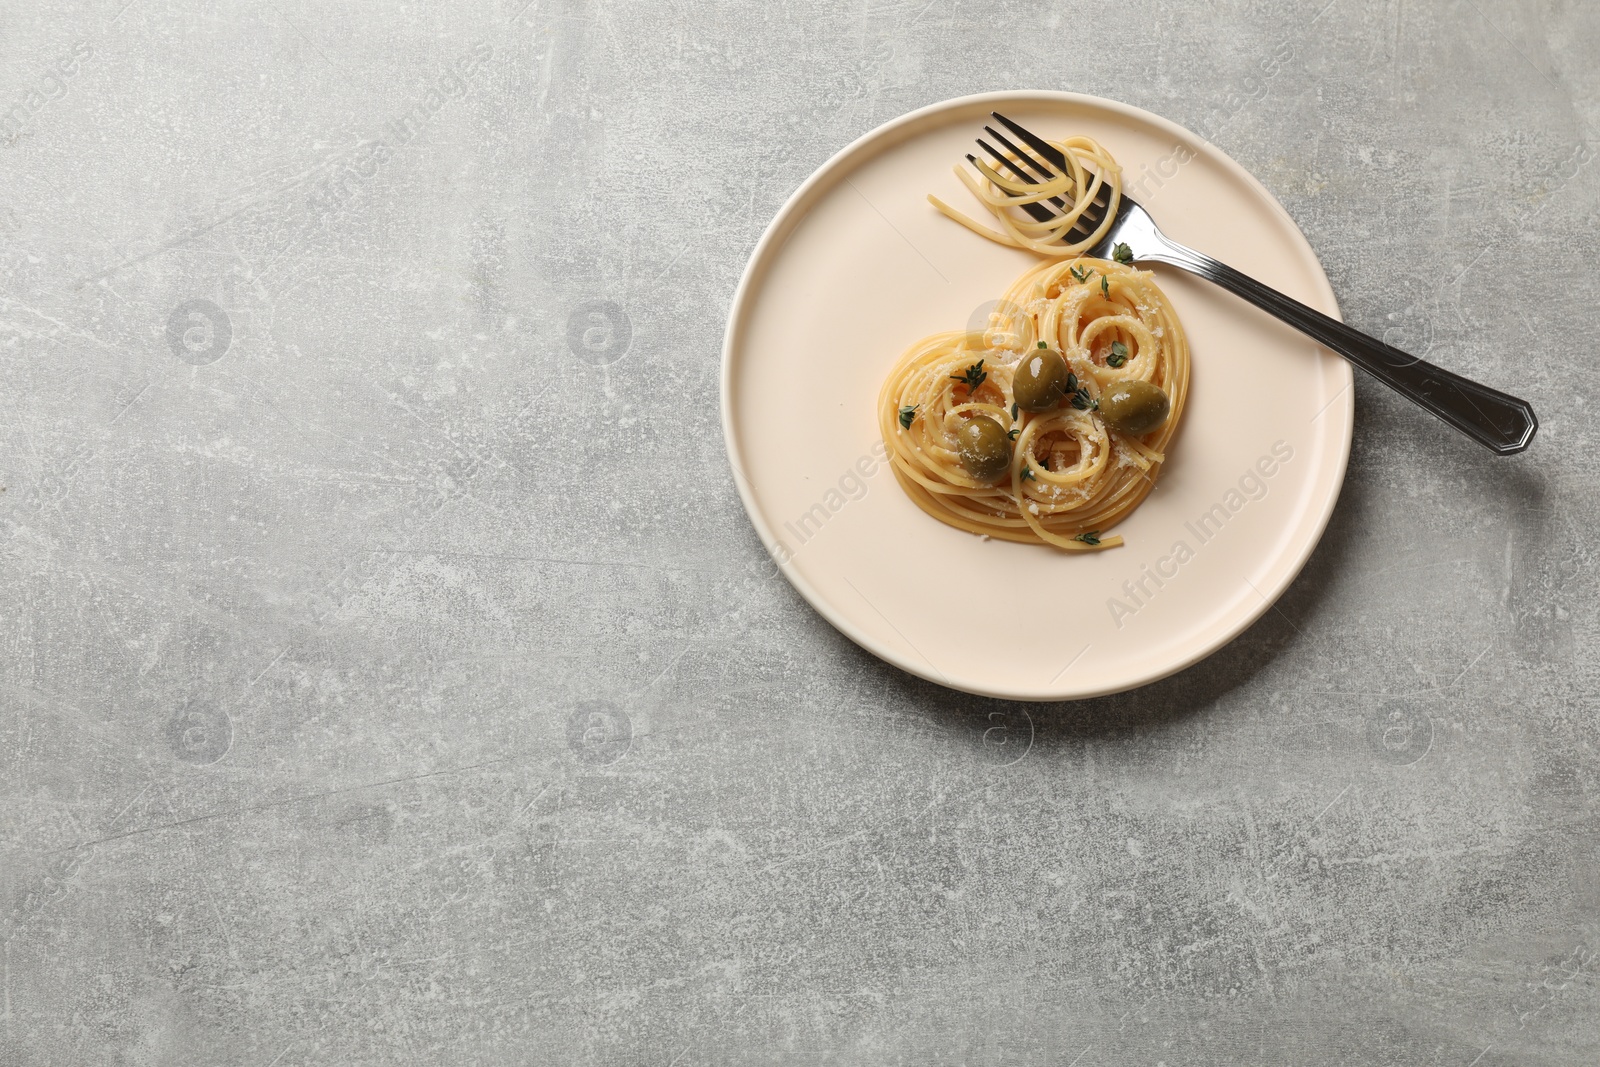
{"type": "Point", "coordinates": [1050, 425]}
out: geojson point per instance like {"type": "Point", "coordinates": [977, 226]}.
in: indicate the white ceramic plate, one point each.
{"type": "Point", "coordinates": [857, 265]}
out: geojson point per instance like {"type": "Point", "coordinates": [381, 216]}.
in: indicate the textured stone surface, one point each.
{"type": "Point", "coordinates": [349, 716]}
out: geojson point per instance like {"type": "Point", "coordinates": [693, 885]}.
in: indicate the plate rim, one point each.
{"type": "Point", "coordinates": [770, 244]}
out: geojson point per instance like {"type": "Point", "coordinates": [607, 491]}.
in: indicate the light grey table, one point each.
{"type": "Point", "coordinates": [381, 685]}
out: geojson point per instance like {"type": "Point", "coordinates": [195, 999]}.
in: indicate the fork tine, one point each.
{"type": "Point", "coordinates": [1033, 164]}
{"type": "Point", "coordinates": [1007, 162]}
{"type": "Point", "coordinates": [1047, 151]}
{"type": "Point", "coordinates": [1039, 212]}
{"type": "Point", "coordinates": [1094, 213]}
{"type": "Point", "coordinates": [1022, 175]}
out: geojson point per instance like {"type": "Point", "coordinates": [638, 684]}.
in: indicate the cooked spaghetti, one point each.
{"type": "Point", "coordinates": [1069, 475]}
{"type": "Point", "coordinates": [1089, 169]}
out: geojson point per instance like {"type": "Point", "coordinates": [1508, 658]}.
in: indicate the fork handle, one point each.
{"type": "Point", "coordinates": [1501, 422]}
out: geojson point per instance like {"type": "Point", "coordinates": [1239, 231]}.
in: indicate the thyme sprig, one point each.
{"type": "Point", "coordinates": [973, 376]}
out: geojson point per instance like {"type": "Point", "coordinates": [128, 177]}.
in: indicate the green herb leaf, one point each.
{"type": "Point", "coordinates": [1072, 384]}
{"type": "Point", "coordinates": [1105, 287]}
{"type": "Point", "coordinates": [1081, 275]}
{"type": "Point", "coordinates": [1090, 538]}
{"type": "Point", "coordinates": [908, 415]}
{"type": "Point", "coordinates": [974, 376]}
{"type": "Point", "coordinates": [1013, 412]}
{"type": "Point", "coordinates": [1027, 472]}
{"type": "Point", "coordinates": [1012, 433]}
{"type": "Point", "coordinates": [1118, 356]}
{"type": "Point", "coordinates": [1043, 345]}
{"type": "Point", "coordinates": [1083, 401]}
{"type": "Point", "coordinates": [1122, 253]}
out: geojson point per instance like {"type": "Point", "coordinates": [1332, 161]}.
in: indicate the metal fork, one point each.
{"type": "Point", "coordinates": [1503, 423]}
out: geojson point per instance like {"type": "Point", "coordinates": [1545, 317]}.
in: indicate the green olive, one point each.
{"type": "Point", "coordinates": [1041, 380]}
{"type": "Point", "coordinates": [1134, 407]}
{"type": "Point", "coordinates": [984, 448]}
